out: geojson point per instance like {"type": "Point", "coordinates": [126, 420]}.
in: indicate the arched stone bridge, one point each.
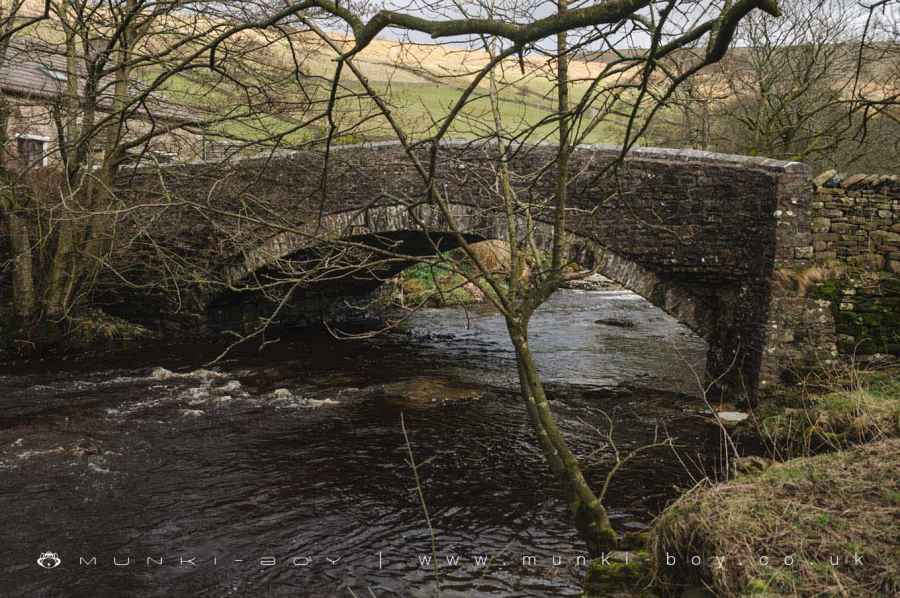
{"type": "Point", "coordinates": [700, 235]}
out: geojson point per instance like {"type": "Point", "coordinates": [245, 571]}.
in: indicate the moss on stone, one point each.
{"type": "Point", "coordinates": [619, 578]}
{"type": "Point", "coordinates": [98, 327]}
{"type": "Point", "coordinates": [830, 290]}
{"type": "Point", "coordinates": [866, 312]}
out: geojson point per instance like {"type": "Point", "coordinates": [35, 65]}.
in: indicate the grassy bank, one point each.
{"type": "Point", "coordinates": [448, 281]}
{"type": "Point", "coordinates": [93, 329]}
{"type": "Point", "coordinates": [816, 526]}
{"type": "Point", "coordinates": [434, 285]}
{"type": "Point", "coordinates": [822, 520]}
{"type": "Point", "coordinates": [830, 414]}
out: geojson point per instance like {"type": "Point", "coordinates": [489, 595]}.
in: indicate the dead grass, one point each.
{"type": "Point", "coordinates": [820, 511]}
{"type": "Point", "coordinates": [854, 407]}
{"type": "Point", "coordinates": [493, 254]}
{"type": "Point", "coordinates": [802, 281]}
{"type": "Point", "coordinates": [98, 327]}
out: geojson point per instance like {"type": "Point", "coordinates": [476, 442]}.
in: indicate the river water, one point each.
{"type": "Point", "coordinates": [284, 472]}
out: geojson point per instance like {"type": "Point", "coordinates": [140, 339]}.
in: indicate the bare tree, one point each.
{"type": "Point", "coordinates": [530, 281]}
{"type": "Point", "coordinates": [114, 41]}
{"type": "Point", "coordinates": [13, 21]}
{"type": "Point", "coordinates": [818, 85]}
{"type": "Point", "coordinates": [121, 79]}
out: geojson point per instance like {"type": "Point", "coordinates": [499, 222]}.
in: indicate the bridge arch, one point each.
{"type": "Point", "coordinates": [416, 232]}
{"type": "Point", "coordinates": [700, 235]}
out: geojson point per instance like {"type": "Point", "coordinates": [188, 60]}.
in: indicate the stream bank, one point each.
{"type": "Point", "coordinates": [818, 516]}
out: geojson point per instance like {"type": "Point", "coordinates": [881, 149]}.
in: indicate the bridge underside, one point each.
{"type": "Point", "coordinates": [323, 281]}
{"type": "Point", "coordinates": [334, 282]}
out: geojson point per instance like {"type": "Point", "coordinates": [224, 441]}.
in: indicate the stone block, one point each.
{"type": "Point", "coordinates": [870, 261]}
{"type": "Point", "coordinates": [824, 178]}
{"type": "Point", "coordinates": [821, 225]}
{"type": "Point", "coordinates": [853, 180]}
{"type": "Point", "coordinates": [883, 237]}
{"type": "Point", "coordinates": [826, 237]}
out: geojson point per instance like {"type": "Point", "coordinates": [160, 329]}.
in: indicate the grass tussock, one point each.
{"type": "Point", "coordinates": [791, 530]}
{"type": "Point", "coordinates": [98, 327]}
{"type": "Point", "coordinates": [802, 281]}
{"type": "Point", "coordinates": [449, 281]}
{"type": "Point", "coordinates": [855, 407]}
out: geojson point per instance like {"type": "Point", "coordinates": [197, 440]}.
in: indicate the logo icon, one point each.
{"type": "Point", "coordinates": [49, 560]}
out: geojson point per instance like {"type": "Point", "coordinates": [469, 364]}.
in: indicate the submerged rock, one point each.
{"type": "Point", "coordinates": [162, 374]}
{"type": "Point", "coordinates": [97, 468]}
{"type": "Point", "coordinates": [618, 323]}
{"type": "Point", "coordinates": [281, 394]}
{"type": "Point", "coordinates": [196, 393]}
{"type": "Point", "coordinates": [205, 374]}
{"type": "Point", "coordinates": [232, 386]}
{"type": "Point", "coordinates": [428, 390]}
{"type": "Point", "coordinates": [315, 403]}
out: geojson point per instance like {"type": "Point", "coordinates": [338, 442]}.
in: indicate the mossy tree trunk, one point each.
{"type": "Point", "coordinates": [591, 518]}
{"type": "Point", "coordinates": [79, 232]}
{"type": "Point", "coordinates": [522, 295]}
{"type": "Point", "coordinates": [24, 299]}
{"type": "Point", "coordinates": [16, 226]}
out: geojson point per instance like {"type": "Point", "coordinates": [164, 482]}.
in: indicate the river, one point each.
{"type": "Point", "coordinates": [284, 472]}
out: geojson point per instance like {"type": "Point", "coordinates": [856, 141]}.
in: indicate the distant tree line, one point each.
{"type": "Point", "coordinates": [819, 85]}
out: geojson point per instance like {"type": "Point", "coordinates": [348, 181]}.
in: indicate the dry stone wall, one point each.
{"type": "Point", "coordinates": [856, 231]}
{"type": "Point", "coordinates": [856, 219]}
{"type": "Point", "coordinates": [839, 297]}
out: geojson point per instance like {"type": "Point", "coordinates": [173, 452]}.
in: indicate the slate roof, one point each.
{"type": "Point", "coordinates": [37, 70]}
{"type": "Point", "coordinates": [28, 68]}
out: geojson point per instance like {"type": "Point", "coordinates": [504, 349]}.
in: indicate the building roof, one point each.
{"type": "Point", "coordinates": [30, 69]}
{"type": "Point", "coordinates": [36, 69]}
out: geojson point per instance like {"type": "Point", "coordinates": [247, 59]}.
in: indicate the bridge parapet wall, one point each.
{"type": "Point", "coordinates": [678, 210]}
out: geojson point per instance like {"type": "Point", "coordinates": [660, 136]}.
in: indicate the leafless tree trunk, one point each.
{"type": "Point", "coordinates": [81, 233]}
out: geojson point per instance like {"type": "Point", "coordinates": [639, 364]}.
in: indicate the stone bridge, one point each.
{"type": "Point", "coordinates": [700, 235]}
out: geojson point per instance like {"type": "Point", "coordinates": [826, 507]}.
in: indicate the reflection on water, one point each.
{"type": "Point", "coordinates": [296, 455]}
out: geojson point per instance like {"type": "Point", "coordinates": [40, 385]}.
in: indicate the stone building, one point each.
{"type": "Point", "coordinates": [34, 80]}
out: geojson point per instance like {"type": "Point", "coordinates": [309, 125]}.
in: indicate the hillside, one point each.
{"type": "Point", "coordinates": [286, 75]}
